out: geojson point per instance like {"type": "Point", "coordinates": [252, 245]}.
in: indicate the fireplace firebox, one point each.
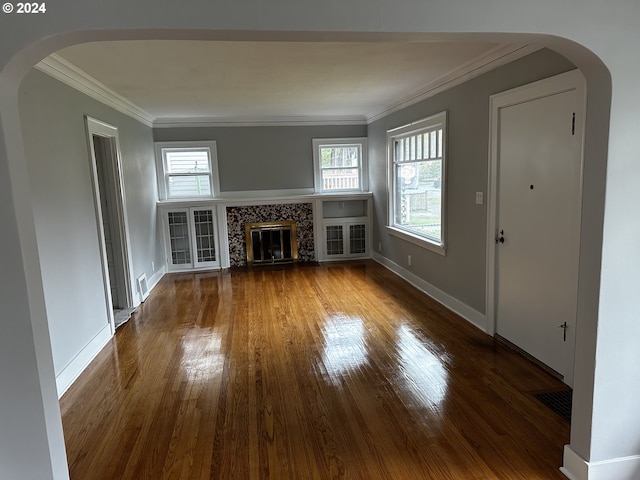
{"type": "Point", "coordinates": [271, 242]}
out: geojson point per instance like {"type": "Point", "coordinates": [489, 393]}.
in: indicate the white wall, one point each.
{"type": "Point", "coordinates": [605, 427]}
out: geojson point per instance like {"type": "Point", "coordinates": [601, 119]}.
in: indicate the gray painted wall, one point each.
{"type": "Point", "coordinates": [462, 272]}
{"type": "Point", "coordinates": [52, 116]}
{"type": "Point", "coordinates": [262, 158]}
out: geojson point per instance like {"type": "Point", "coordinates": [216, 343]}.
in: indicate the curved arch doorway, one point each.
{"type": "Point", "coordinates": [20, 200]}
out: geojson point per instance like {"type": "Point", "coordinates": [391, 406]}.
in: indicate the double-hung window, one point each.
{"type": "Point", "coordinates": [340, 164]}
{"type": "Point", "coordinates": [417, 156]}
{"type": "Point", "coordinates": [187, 170]}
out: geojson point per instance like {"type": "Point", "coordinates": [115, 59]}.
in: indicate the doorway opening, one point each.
{"type": "Point", "coordinates": [109, 202]}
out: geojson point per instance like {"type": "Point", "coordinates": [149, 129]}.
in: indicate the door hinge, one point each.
{"type": "Point", "coordinates": [573, 124]}
{"type": "Point", "coordinates": [564, 327]}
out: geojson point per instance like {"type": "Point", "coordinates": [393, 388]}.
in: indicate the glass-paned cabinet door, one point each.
{"type": "Point", "coordinates": [357, 239]}
{"type": "Point", "coordinates": [204, 236]}
{"type": "Point", "coordinates": [335, 239]}
{"type": "Point", "coordinates": [179, 241]}
{"type": "Point", "coordinates": [192, 238]}
{"type": "Point", "coordinates": [345, 239]}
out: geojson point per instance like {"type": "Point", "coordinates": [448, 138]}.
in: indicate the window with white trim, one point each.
{"type": "Point", "coordinates": [187, 170]}
{"type": "Point", "coordinates": [340, 164]}
{"type": "Point", "coordinates": [417, 158]}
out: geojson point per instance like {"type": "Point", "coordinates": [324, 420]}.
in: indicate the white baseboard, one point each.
{"type": "Point", "coordinates": [576, 468]}
{"type": "Point", "coordinates": [156, 277]}
{"type": "Point", "coordinates": [471, 315]}
{"type": "Point", "coordinates": [72, 371]}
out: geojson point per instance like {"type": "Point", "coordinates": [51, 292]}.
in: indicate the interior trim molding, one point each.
{"type": "Point", "coordinates": [265, 197]}
{"type": "Point", "coordinates": [57, 67]}
{"type": "Point", "coordinates": [471, 315]}
{"type": "Point", "coordinates": [75, 367]}
{"type": "Point", "coordinates": [576, 468]}
{"type": "Point", "coordinates": [495, 58]}
{"type": "Point", "coordinates": [64, 71]}
{"type": "Point", "coordinates": [199, 122]}
{"type": "Point", "coordinates": [81, 361]}
{"type": "Point", "coordinates": [156, 277]}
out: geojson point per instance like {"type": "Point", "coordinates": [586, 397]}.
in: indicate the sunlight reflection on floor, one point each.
{"type": "Point", "coordinates": [423, 372]}
{"type": "Point", "coordinates": [344, 345]}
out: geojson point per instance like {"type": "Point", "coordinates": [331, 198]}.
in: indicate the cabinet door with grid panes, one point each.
{"type": "Point", "coordinates": [345, 239]}
{"type": "Point", "coordinates": [191, 238]}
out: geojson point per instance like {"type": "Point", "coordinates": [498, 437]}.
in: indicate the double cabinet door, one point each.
{"type": "Point", "coordinates": [191, 238]}
{"type": "Point", "coordinates": [345, 239]}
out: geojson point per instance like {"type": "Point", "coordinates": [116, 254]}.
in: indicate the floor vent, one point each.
{"type": "Point", "coordinates": [559, 401]}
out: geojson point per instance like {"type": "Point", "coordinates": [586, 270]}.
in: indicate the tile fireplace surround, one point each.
{"type": "Point", "coordinates": [238, 216]}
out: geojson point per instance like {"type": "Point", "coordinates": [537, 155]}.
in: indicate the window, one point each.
{"type": "Point", "coordinates": [417, 155]}
{"type": "Point", "coordinates": [340, 164]}
{"type": "Point", "coordinates": [187, 170]}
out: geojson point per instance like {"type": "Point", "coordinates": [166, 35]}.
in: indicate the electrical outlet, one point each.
{"type": "Point", "coordinates": [380, 246]}
{"type": "Point", "coordinates": [409, 260]}
{"type": "Point", "coordinates": [479, 198]}
{"type": "Point", "coordinates": [153, 266]}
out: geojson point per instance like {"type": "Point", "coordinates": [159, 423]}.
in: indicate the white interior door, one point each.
{"type": "Point", "coordinates": [537, 221]}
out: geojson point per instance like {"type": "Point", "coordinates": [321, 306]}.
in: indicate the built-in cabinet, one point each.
{"type": "Point", "coordinates": [191, 237]}
{"type": "Point", "coordinates": [198, 237]}
{"type": "Point", "coordinates": [344, 231]}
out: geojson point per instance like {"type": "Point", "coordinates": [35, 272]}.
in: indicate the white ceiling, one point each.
{"type": "Point", "coordinates": [250, 81]}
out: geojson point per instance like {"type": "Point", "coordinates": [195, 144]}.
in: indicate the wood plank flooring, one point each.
{"type": "Point", "coordinates": [333, 371]}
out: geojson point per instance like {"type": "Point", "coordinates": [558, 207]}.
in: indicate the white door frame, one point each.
{"type": "Point", "coordinates": [572, 80]}
{"type": "Point", "coordinates": [102, 129]}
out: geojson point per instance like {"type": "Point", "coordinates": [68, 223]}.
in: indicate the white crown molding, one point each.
{"type": "Point", "coordinates": [57, 67]}
{"type": "Point", "coordinates": [494, 58]}
{"type": "Point", "coordinates": [60, 69]}
{"type": "Point", "coordinates": [193, 122]}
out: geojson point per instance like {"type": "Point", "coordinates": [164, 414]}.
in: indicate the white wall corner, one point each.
{"type": "Point", "coordinates": [477, 319]}
{"type": "Point", "coordinates": [576, 468]}
{"type": "Point", "coordinates": [75, 367]}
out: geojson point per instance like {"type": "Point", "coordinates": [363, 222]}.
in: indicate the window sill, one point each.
{"type": "Point", "coordinates": [349, 191]}
{"type": "Point", "coordinates": [417, 240]}
{"type": "Point", "coordinates": [186, 201]}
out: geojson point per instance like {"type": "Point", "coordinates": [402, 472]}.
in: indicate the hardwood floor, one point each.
{"type": "Point", "coordinates": [310, 372]}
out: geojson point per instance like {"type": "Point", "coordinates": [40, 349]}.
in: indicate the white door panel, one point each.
{"type": "Point", "coordinates": [538, 211]}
